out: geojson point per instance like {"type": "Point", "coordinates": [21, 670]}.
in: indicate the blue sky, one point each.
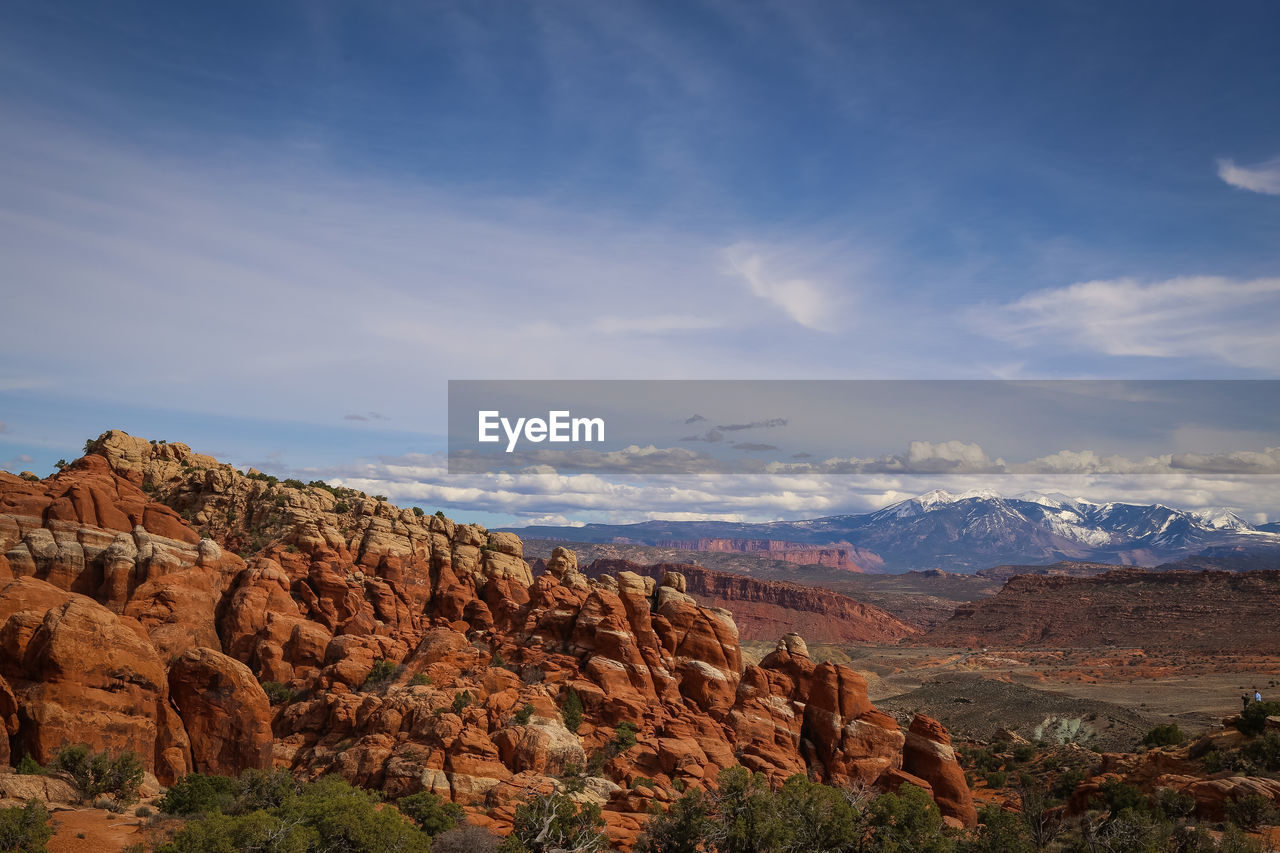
{"type": "Point", "coordinates": [274, 230]}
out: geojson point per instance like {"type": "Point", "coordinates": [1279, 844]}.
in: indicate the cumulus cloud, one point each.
{"type": "Point", "coordinates": [1239, 462]}
{"type": "Point", "coordinates": [1262, 178]}
{"type": "Point", "coordinates": [1228, 320]}
{"type": "Point", "coordinates": [542, 495]}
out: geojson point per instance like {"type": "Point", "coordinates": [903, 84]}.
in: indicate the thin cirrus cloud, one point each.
{"type": "Point", "coordinates": [1222, 319]}
{"type": "Point", "coordinates": [803, 300]}
{"type": "Point", "coordinates": [1262, 178]}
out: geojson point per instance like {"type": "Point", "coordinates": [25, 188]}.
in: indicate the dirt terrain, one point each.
{"type": "Point", "coordinates": [1177, 612]}
{"type": "Point", "coordinates": [1196, 692]}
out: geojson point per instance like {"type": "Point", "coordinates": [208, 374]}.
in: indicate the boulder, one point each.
{"type": "Point", "coordinates": [225, 712]}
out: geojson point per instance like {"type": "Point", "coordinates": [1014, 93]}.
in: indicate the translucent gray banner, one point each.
{"type": "Point", "coordinates": [617, 427]}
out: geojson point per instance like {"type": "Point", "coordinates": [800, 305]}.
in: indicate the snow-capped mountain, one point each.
{"type": "Point", "coordinates": [972, 530]}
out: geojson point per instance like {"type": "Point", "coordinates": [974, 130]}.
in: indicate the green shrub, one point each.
{"type": "Point", "coordinates": [497, 660]}
{"type": "Point", "coordinates": [522, 716]}
{"type": "Point", "coordinates": [25, 829]}
{"type": "Point", "coordinates": [293, 484]}
{"type": "Point", "coordinates": [419, 679]}
{"type": "Point", "coordinates": [1254, 717]}
{"type": "Point", "coordinates": [1165, 734]}
{"type": "Point", "coordinates": [440, 513]}
{"type": "Point", "coordinates": [996, 778]}
{"type": "Point", "coordinates": [328, 815]}
{"type": "Point", "coordinates": [418, 511]}
{"type": "Point", "coordinates": [1121, 795]}
{"type": "Point", "coordinates": [1175, 805]}
{"type": "Point", "coordinates": [545, 823]}
{"type": "Point", "coordinates": [1024, 752]}
{"type": "Point", "coordinates": [1067, 782]}
{"type": "Point", "coordinates": [1000, 831]}
{"type": "Point", "coordinates": [98, 773]}
{"type": "Point", "coordinates": [462, 700]}
{"type": "Point", "coordinates": [571, 710]}
{"type": "Point", "coordinates": [382, 670]}
{"type": "Point", "coordinates": [432, 814]}
{"type": "Point", "coordinates": [1252, 811]}
{"type": "Point", "coordinates": [1264, 751]}
{"type": "Point", "coordinates": [624, 736]}
{"type": "Point", "coordinates": [743, 814]}
{"type": "Point", "coordinates": [380, 498]}
{"type": "Point", "coordinates": [28, 766]}
{"type": "Point", "coordinates": [277, 693]}
{"type": "Point", "coordinates": [197, 793]}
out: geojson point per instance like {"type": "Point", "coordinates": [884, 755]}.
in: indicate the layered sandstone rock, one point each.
{"type": "Point", "coordinates": [421, 654]}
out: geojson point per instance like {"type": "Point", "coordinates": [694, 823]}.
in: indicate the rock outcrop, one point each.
{"type": "Point", "coordinates": [765, 609]}
{"type": "Point", "coordinates": [154, 590]}
{"type": "Point", "coordinates": [1204, 612]}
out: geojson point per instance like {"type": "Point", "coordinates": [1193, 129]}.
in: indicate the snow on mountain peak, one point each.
{"type": "Point", "coordinates": [1221, 518]}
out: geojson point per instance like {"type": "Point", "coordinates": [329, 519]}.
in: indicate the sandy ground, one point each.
{"type": "Point", "coordinates": [94, 830]}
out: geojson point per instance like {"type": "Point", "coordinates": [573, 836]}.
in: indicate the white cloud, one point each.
{"type": "Point", "coordinates": [1192, 317]}
{"type": "Point", "coordinates": [804, 301]}
{"type": "Point", "coordinates": [1262, 178]}
{"type": "Point", "coordinates": [545, 496]}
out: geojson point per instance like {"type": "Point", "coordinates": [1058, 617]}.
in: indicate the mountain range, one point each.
{"type": "Point", "coordinates": [969, 531]}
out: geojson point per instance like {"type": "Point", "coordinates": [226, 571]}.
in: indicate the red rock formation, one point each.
{"type": "Point", "coordinates": [928, 755]}
{"type": "Point", "coordinates": [1204, 612]}
{"type": "Point", "coordinates": [764, 610]}
{"type": "Point", "coordinates": [224, 710]}
{"type": "Point", "coordinates": [423, 654]}
{"type": "Point", "coordinates": [81, 674]}
{"type": "Point", "coordinates": [836, 555]}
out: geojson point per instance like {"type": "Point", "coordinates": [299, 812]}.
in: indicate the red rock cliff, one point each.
{"type": "Point", "coordinates": [410, 652]}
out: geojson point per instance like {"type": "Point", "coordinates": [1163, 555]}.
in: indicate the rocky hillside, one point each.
{"type": "Point", "coordinates": [154, 599]}
{"type": "Point", "coordinates": [1212, 612]}
{"type": "Point", "coordinates": [766, 609]}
